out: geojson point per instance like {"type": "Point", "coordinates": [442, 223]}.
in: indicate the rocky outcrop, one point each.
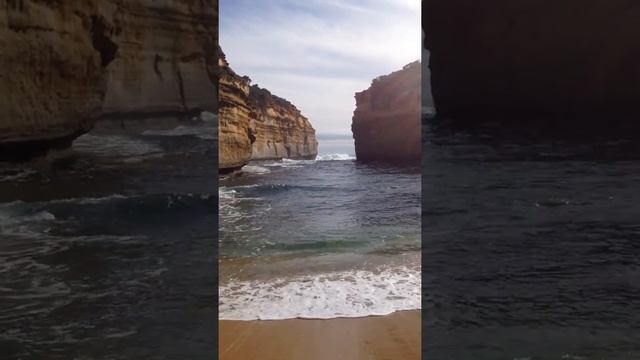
{"type": "Point", "coordinates": [166, 59]}
{"type": "Point", "coordinates": [52, 78]}
{"type": "Point", "coordinates": [387, 121]}
{"type": "Point", "coordinates": [66, 63]}
{"type": "Point", "coordinates": [257, 125]}
{"type": "Point", "coordinates": [535, 61]}
{"type": "Point", "coordinates": [281, 130]}
{"type": "Point", "coordinates": [236, 131]}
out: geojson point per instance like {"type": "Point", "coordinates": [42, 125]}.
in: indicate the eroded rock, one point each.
{"type": "Point", "coordinates": [281, 130]}
{"type": "Point", "coordinates": [386, 123]}
{"type": "Point", "coordinates": [65, 64]}
{"type": "Point", "coordinates": [257, 125]}
{"type": "Point", "coordinates": [236, 132]}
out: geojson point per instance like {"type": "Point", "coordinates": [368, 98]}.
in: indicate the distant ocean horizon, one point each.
{"type": "Point", "coordinates": [335, 144]}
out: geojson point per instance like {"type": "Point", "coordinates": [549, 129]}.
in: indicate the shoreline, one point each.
{"type": "Point", "coordinates": [393, 336]}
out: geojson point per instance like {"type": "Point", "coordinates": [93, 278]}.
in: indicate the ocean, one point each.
{"type": "Point", "coordinates": [530, 245]}
{"type": "Point", "coordinates": [324, 238]}
{"type": "Point", "coordinates": [108, 250]}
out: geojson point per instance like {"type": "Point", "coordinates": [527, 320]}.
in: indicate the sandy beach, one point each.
{"type": "Point", "coordinates": [395, 336]}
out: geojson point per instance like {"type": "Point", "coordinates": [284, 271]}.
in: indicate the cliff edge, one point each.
{"type": "Point", "coordinates": [236, 132]}
{"type": "Point", "coordinates": [386, 123]}
{"type": "Point", "coordinates": [66, 64]}
{"type": "Point", "coordinates": [257, 125]}
{"type": "Point", "coordinates": [281, 130]}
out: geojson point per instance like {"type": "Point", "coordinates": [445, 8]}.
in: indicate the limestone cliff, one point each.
{"type": "Point", "coordinates": [386, 124]}
{"type": "Point", "coordinates": [236, 131]}
{"type": "Point", "coordinates": [256, 125]}
{"type": "Point", "coordinates": [66, 63]}
{"type": "Point", "coordinates": [281, 130]}
{"type": "Point", "coordinates": [166, 58]}
{"type": "Point", "coordinates": [533, 62]}
{"type": "Point", "coordinates": [52, 78]}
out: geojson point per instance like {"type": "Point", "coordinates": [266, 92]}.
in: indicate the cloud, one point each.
{"type": "Point", "coordinates": [318, 53]}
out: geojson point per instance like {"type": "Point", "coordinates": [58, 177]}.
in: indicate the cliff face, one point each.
{"type": "Point", "coordinates": [66, 63]}
{"type": "Point", "coordinates": [387, 121]}
{"type": "Point", "coordinates": [52, 76]}
{"type": "Point", "coordinates": [166, 60]}
{"type": "Point", "coordinates": [256, 125]}
{"type": "Point", "coordinates": [236, 131]}
{"type": "Point", "coordinates": [543, 61]}
{"type": "Point", "coordinates": [281, 130]}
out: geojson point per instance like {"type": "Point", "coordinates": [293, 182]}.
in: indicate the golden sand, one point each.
{"type": "Point", "coordinates": [394, 337]}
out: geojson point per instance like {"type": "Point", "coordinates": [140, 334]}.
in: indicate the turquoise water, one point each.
{"type": "Point", "coordinates": [294, 221]}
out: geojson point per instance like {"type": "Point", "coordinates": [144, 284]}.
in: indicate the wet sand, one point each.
{"type": "Point", "coordinates": [395, 336]}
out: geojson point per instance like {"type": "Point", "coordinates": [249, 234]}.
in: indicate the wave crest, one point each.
{"type": "Point", "coordinates": [347, 294]}
{"type": "Point", "coordinates": [335, 157]}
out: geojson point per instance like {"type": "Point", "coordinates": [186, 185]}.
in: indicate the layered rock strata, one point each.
{"type": "Point", "coordinates": [281, 130]}
{"type": "Point", "coordinates": [166, 58]}
{"type": "Point", "coordinates": [66, 63]}
{"type": "Point", "coordinates": [386, 123]}
{"type": "Point", "coordinates": [236, 132]}
{"type": "Point", "coordinates": [52, 78]}
{"type": "Point", "coordinates": [257, 125]}
{"type": "Point", "coordinates": [535, 62]}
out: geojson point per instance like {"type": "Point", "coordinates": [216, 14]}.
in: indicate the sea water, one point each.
{"type": "Point", "coordinates": [322, 238]}
{"type": "Point", "coordinates": [530, 245]}
{"type": "Point", "coordinates": [108, 251]}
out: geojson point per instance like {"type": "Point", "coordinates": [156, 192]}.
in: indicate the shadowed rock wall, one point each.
{"type": "Point", "coordinates": [533, 61]}
{"type": "Point", "coordinates": [64, 64]}
{"type": "Point", "coordinates": [386, 124]}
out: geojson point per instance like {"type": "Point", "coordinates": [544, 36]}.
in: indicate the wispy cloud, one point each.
{"type": "Point", "coordinates": [318, 53]}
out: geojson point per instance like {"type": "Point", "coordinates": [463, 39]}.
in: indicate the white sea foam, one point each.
{"type": "Point", "coordinates": [10, 218]}
{"type": "Point", "coordinates": [207, 130]}
{"type": "Point", "coordinates": [290, 163]}
{"type": "Point", "coordinates": [91, 200]}
{"type": "Point", "coordinates": [133, 150]}
{"type": "Point", "coordinates": [335, 157]}
{"type": "Point", "coordinates": [207, 116]}
{"type": "Point", "coordinates": [332, 295]}
{"type": "Point", "coordinates": [254, 169]}
{"type": "Point", "coordinates": [17, 174]}
{"type": "Point", "coordinates": [17, 219]}
{"type": "Point", "coordinates": [299, 163]}
{"type": "Point", "coordinates": [296, 161]}
{"type": "Point", "coordinates": [232, 218]}
{"type": "Point", "coordinates": [228, 197]}
{"type": "Point", "coordinates": [226, 193]}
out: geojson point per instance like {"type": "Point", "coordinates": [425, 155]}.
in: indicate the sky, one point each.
{"type": "Point", "coordinates": [318, 53]}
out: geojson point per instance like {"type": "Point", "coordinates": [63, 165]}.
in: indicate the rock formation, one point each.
{"type": "Point", "coordinates": [166, 58]}
{"type": "Point", "coordinates": [387, 121]}
{"type": "Point", "coordinates": [66, 63]}
{"type": "Point", "coordinates": [236, 131]}
{"type": "Point", "coordinates": [281, 130]}
{"type": "Point", "coordinates": [256, 125]}
{"type": "Point", "coordinates": [535, 61]}
{"type": "Point", "coordinates": [52, 79]}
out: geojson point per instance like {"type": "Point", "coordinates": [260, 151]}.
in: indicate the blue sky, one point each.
{"type": "Point", "coordinates": [318, 53]}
